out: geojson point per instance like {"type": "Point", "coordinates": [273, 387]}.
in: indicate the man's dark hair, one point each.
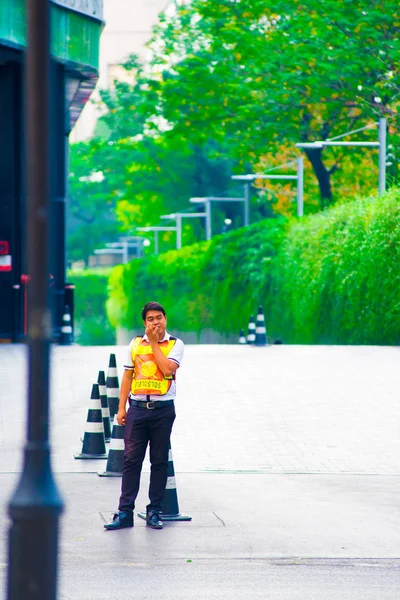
{"type": "Point", "coordinates": [151, 306]}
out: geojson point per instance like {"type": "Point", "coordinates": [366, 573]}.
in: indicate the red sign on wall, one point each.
{"type": "Point", "coordinates": [5, 256]}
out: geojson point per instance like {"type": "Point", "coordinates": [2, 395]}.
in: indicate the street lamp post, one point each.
{"type": "Point", "coordinates": [207, 203]}
{"type": "Point", "coordinates": [156, 230]}
{"type": "Point", "coordinates": [36, 505]}
{"type": "Point", "coordinates": [300, 186]}
{"type": "Point", "coordinates": [125, 243]}
{"type": "Point", "coordinates": [207, 209]}
{"type": "Point", "coordinates": [122, 250]}
{"type": "Point", "coordinates": [178, 218]}
{"type": "Point", "coordinates": [246, 204]}
{"type": "Point", "coordinates": [382, 156]}
{"type": "Point", "coordinates": [299, 177]}
{"type": "Point", "coordinates": [380, 144]}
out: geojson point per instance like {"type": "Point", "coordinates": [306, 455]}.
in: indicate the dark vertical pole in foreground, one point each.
{"type": "Point", "coordinates": [36, 504]}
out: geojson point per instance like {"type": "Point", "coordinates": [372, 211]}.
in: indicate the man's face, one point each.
{"type": "Point", "coordinates": [155, 319]}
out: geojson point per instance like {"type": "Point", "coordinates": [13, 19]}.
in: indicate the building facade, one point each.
{"type": "Point", "coordinates": [128, 27]}
{"type": "Point", "coordinates": [76, 27]}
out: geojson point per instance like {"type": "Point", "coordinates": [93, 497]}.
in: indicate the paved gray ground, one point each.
{"type": "Point", "coordinates": [317, 536]}
{"type": "Point", "coordinates": [287, 459]}
{"type": "Point", "coordinates": [278, 409]}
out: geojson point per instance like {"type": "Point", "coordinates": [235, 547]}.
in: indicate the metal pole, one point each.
{"type": "Point", "coordinates": [178, 232]}
{"type": "Point", "coordinates": [246, 203]}
{"type": "Point", "coordinates": [327, 143]}
{"type": "Point", "coordinates": [36, 505]}
{"type": "Point", "coordinates": [382, 155]}
{"type": "Point", "coordinates": [156, 242]}
{"type": "Point", "coordinates": [300, 186]}
{"type": "Point", "coordinates": [124, 252]}
{"type": "Point", "coordinates": [208, 219]}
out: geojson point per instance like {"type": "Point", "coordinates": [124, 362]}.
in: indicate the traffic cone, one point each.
{"type": "Point", "coordinates": [93, 441]}
{"type": "Point", "coordinates": [112, 386]}
{"type": "Point", "coordinates": [251, 333]}
{"type": "Point", "coordinates": [242, 337]}
{"type": "Point", "coordinates": [66, 328]}
{"type": "Point", "coordinates": [115, 460]}
{"type": "Point", "coordinates": [101, 380]}
{"type": "Point", "coordinates": [261, 332]}
{"type": "Point", "coordinates": [169, 506]}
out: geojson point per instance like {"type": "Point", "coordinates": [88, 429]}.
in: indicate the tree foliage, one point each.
{"type": "Point", "coordinates": [92, 200]}
{"type": "Point", "coordinates": [131, 175]}
{"type": "Point", "coordinates": [259, 73]}
{"type": "Point", "coordinates": [91, 326]}
{"type": "Point", "coordinates": [231, 87]}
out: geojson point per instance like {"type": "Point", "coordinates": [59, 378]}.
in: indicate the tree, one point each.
{"type": "Point", "coordinates": [163, 173]}
{"type": "Point", "coordinates": [92, 200]}
{"type": "Point", "coordinates": [262, 73]}
{"type": "Point", "coordinates": [124, 181]}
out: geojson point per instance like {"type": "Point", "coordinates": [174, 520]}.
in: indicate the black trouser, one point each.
{"type": "Point", "coordinates": [143, 426]}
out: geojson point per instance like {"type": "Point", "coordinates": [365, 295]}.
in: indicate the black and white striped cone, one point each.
{"type": "Point", "coordinates": [115, 460]}
{"type": "Point", "coordinates": [169, 505]}
{"type": "Point", "coordinates": [101, 380]}
{"type": "Point", "coordinates": [251, 333]}
{"type": "Point", "coordinates": [66, 328]}
{"type": "Point", "coordinates": [112, 386]}
{"type": "Point", "coordinates": [94, 445]}
{"type": "Point", "coordinates": [261, 331]}
{"type": "Point", "coordinates": [242, 337]}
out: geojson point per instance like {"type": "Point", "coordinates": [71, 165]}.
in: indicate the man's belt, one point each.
{"type": "Point", "coordinates": [151, 404]}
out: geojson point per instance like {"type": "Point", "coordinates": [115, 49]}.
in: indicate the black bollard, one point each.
{"type": "Point", "coordinates": [66, 329]}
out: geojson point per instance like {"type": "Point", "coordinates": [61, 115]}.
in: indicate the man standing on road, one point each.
{"type": "Point", "coordinates": [149, 385]}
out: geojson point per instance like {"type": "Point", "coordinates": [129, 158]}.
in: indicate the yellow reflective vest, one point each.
{"type": "Point", "coordinates": [148, 378]}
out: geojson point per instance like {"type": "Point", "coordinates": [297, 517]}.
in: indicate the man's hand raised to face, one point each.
{"type": "Point", "coordinates": [153, 333]}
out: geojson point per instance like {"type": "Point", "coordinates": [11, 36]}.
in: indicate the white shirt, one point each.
{"type": "Point", "coordinates": [176, 355]}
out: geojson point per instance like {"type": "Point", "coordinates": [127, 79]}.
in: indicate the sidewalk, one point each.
{"type": "Point", "coordinates": [287, 458]}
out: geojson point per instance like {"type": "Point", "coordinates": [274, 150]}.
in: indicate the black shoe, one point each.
{"type": "Point", "coordinates": [120, 521]}
{"type": "Point", "coordinates": [153, 520]}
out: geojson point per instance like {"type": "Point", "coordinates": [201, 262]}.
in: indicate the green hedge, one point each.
{"type": "Point", "coordinates": [206, 285]}
{"type": "Point", "coordinates": [92, 327]}
{"type": "Point", "coordinates": [328, 278]}
{"type": "Point", "coordinates": [338, 275]}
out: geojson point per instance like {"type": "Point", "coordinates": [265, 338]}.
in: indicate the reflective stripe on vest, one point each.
{"type": "Point", "coordinates": [148, 378]}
